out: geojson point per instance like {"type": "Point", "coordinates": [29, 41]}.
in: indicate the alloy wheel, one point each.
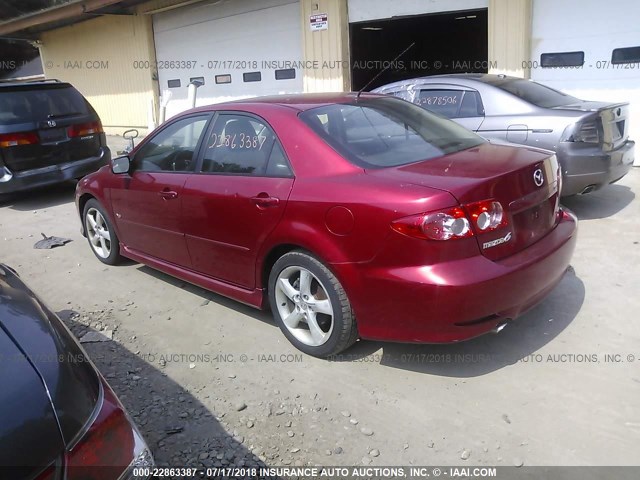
{"type": "Point", "coordinates": [98, 233]}
{"type": "Point", "coordinates": [304, 305]}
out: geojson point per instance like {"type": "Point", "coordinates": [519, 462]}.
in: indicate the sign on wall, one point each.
{"type": "Point", "coordinates": [318, 22]}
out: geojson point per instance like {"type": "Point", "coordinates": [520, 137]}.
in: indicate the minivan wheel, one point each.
{"type": "Point", "coordinates": [101, 234]}
{"type": "Point", "coordinates": [310, 305]}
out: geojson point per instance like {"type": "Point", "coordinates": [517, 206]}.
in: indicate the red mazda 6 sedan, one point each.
{"type": "Point", "coordinates": [351, 216]}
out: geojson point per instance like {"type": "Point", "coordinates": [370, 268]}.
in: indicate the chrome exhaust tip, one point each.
{"type": "Point", "coordinates": [588, 189]}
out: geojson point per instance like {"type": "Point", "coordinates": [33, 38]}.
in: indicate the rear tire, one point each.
{"type": "Point", "coordinates": [100, 233]}
{"type": "Point", "coordinates": [310, 305]}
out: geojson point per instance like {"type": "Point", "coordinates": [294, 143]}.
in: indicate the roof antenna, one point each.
{"type": "Point", "coordinates": [384, 70]}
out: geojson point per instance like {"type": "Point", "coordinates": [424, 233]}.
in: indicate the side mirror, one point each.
{"type": "Point", "coordinates": [120, 165]}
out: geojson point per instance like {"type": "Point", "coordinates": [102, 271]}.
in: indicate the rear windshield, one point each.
{"type": "Point", "coordinates": [386, 132]}
{"type": "Point", "coordinates": [534, 93]}
{"type": "Point", "coordinates": [22, 104]}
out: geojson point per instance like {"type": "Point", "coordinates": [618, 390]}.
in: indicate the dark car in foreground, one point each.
{"type": "Point", "coordinates": [59, 419]}
{"type": "Point", "coordinates": [352, 216]}
{"type": "Point", "coordinates": [590, 139]}
{"type": "Point", "coordinates": [49, 133]}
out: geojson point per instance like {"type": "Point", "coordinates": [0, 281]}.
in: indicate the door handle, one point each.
{"type": "Point", "coordinates": [263, 200]}
{"type": "Point", "coordinates": [168, 194]}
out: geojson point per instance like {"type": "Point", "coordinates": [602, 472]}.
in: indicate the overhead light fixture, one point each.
{"type": "Point", "coordinates": [471, 16]}
{"type": "Point", "coordinates": [461, 18]}
{"type": "Point", "coordinates": [375, 29]}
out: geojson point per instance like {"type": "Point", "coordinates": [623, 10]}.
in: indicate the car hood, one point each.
{"type": "Point", "coordinates": [63, 368]}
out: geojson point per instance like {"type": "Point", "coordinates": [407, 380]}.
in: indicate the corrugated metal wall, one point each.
{"type": "Point", "coordinates": [329, 47]}
{"type": "Point", "coordinates": [109, 59]}
{"type": "Point", "coordinates": [510, 36]}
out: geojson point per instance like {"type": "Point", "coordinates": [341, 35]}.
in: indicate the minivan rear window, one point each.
{"type": "Point", "coordinates": [22, 104]}
{"type": "Point", "coordinates": [387, 132]}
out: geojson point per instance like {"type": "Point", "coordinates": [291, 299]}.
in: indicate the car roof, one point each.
{"type": "Point", "coordinates": [464, 78]}
{"type": "Point", "coordinates": [298, 101]}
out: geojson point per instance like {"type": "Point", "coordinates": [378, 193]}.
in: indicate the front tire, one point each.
{"type": "Point", "coordinates": [310, 305]}
{"type": "Point", "coordinates": [101, 235]}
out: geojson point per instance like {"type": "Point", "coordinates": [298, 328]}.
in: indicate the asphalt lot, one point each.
{"type": "Point", "coordinates": [204, 376]}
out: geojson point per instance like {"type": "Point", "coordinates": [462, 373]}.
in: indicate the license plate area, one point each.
{"type": "Point", "coordinates": [534, 222]}
{"type": "Point", "coordinates": [53, 135]}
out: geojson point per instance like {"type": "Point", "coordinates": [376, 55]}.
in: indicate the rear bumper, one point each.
{"type": "Point", "coordinates": [589, 168]}
{"type": "Point", "coordinates": [461, 299]}
{"type": "Point", "coordinates": [11, 182]}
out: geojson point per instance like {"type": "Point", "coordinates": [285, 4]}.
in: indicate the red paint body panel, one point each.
{"type": "Point", "coordinates": [223, 226]}
{"type": "Point", "coordinates": [148, 221]}
{"type": "Point", "coordinates": [401, 288]}
{"type": "Point", "coordinates": [417, 302]}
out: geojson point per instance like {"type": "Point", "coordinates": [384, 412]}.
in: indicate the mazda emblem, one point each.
{"type": "Point", "coordinates": [51, 123]}
{"type": "Point", "coordinates": [538, 177]}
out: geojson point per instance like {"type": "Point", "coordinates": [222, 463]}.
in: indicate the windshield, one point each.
{"type": "Point", "coordinates": [387, 132]}
{"type": "Point", "coordinates": [35, 104]}
{"type": "Point", "coordinates": [534, 93]}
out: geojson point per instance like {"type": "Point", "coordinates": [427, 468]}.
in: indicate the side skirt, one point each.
{"type": "Point", "coordinates": [254, 298]}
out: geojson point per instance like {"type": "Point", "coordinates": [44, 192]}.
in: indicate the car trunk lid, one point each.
{"type": "Point", "coordinates": [30, 438]}
{"type": "Point", "coordinates": [611, 120]}
{"type": "Point", "coordinates": [523, 180]}
{"type": "Point", "coordinates": [66, 372]}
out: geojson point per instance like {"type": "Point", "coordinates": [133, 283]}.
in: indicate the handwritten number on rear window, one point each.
{"type": "Point", "coordinates": [438, 100]}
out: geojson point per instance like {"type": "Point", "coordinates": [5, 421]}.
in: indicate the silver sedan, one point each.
{"type": "Point", "coordinates": [590, 138]}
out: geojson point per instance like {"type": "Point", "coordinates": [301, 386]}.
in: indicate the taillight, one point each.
{"type": "Point", "coordinates": [587, 132]}
{"type": "Point", "coordinates": [15, 139]}
{"type": "Point", "coordinates": [84, 129]}
{"type": "Point", "coordinates": [453, 222]}
{"type": "Point", "coordinates": [109, 442]}
{"type": "Point", "coordinates": [487, 215]}
{"type": "Point", "coordinates": [444, 225]}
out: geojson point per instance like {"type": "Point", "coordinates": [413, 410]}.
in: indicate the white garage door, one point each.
{"type": "Point", "coordinates": [240, 49]}
{"type": "Point", "coordinates": [596, 28]}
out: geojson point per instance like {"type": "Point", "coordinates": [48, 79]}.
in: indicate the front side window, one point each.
{"type": "Point", "coordinates": [386, 132]}
{"type": "Point", "coordinates": [172, 149]}
{"type": "Point", "coordinates": [243, 145]}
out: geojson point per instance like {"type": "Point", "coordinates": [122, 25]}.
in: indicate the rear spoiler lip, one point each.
{"type": "Point", "coordinates": [576, 107]}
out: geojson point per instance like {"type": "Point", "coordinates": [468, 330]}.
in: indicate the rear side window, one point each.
{"type": "Point", "coordinates": [471, 105]}
{"type": "Point", "coordinates": [444, 102]}
{"type": "Point", "coordinates": [386, 132]}
{"type": "Point", "coordinates": [244, 145]}
{"type": "Point", "coordinates": [22, 105]}
{"type": "Point", "coordinates": [451, 103]}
